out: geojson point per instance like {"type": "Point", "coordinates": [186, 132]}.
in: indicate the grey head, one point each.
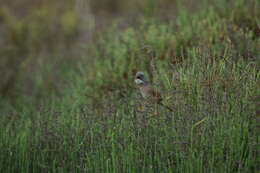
{"type": "Point", "coordinates": [140, 79]}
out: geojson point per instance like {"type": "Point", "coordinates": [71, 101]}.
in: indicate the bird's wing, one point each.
{"type": "Point", "coordinates": [155, 94]}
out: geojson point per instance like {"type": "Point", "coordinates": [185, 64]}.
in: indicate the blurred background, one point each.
{"type": "Point", "coordinates": [42, 41]}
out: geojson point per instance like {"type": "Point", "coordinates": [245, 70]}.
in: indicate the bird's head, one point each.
{"type": "Point", "coordinates": [139, 78]}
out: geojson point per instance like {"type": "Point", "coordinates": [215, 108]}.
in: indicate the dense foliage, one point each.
{"type": "Point", "coordinates": [68, 102]}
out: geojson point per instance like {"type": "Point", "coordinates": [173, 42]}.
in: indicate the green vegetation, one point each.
{"type": "Point", "coordinates": [69, 105]}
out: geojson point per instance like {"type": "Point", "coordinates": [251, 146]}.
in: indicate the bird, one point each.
{"type": "Point", "coordinates": [147, 91]}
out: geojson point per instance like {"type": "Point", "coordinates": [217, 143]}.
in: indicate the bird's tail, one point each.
{"type": "Point", "coordinates": [167, 107]}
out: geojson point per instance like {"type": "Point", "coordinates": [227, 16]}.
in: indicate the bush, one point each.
{"type": "Point", "coordinates": [205, 63]}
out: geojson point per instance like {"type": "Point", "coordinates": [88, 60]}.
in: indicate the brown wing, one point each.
{"type": "Point", "coordinates": [155, 94]}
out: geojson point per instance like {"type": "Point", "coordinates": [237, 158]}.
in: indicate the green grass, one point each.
{"type": "Point", "coordinates": [206, 64]}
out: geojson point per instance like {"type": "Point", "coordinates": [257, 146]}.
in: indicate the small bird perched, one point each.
{"type": "Point", "coordinates": [147, 91]}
